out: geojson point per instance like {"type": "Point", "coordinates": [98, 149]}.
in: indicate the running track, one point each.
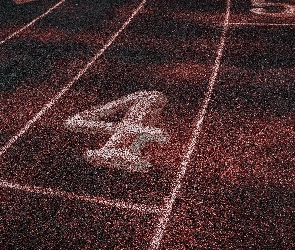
{"type": "Point", "coordinates": [225, 179]}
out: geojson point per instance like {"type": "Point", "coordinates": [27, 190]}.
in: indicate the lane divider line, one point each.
{"type": "Point", "coordinates": [52, 102]}
{"type": "Point", "coordinates": [164, 219]}
{"type": "Point", "coordinates": [31, 23]}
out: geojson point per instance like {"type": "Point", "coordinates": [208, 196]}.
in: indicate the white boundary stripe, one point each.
{"type": "Point", "coordinates": [262, 24]}
{"type": "Point", "coordinates": [56, 193]}
{"type": "Point", "coordinates": [69, 85]}
{"type": "Point", "coordinates": [32, 22]}
{"type": "Point", "coordinates": [159, 231]}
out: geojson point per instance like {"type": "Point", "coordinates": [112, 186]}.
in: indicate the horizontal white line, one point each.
{"type": "Point", "coordinates": [31, 23]}
{"type": "Point", "coordinates": [262, 24]}
{"type": "Point", "coordinates": [52, 192]}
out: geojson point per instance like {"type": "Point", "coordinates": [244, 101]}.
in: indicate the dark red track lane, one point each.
{"type": "Point", "coordinates": [239, 190]}
{"type": "Point", "coordinates": [32, 221]}
{"type": "Point", "coordinates": [14, 17]}
{"type": "Point", "coordinates": [36, 64]}
{"type": "Point", "coordinates": [150, 55]}
{"type": "Point", "coordinates": [158, 52]}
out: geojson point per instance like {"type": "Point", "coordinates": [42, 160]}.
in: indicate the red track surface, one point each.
{"type": "Point", "coordinates": [235, 190]}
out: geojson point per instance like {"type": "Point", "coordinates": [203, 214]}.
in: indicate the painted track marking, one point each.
{"type": "Point", "coordinates": [32, 22]}
{"type": "Point", "coordinates": [262, 24]}
{"type": "Point", "coordinates": [164, 219]}
{"type": "Point", "coordinates": [52, 102]}
{"type": "Point", "coordinates": [56, 193]}
{"type": "Point", "coordinates": [117, 151]}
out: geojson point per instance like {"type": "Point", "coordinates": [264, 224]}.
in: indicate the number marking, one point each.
{"type": "Point", "coordinates": [261, 7]}
{"type": "Point", "coordinates": [128, 136]}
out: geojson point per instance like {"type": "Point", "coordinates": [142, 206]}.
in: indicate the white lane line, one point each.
{"type": "Point", "coordinates": [69, 85]}
{"type": "Point", "coordinates": [262, 24]}
{"type": "Point", "coordinates": [159, 231]}
{"type": "Point", "coordinates": [56, 193]}
{"type": "Point", "coordinates": [32, 22]}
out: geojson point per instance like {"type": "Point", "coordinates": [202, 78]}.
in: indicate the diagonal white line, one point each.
{"type": "Point", "coordinates": [159, 231]}
{"type": "Point", "coordinates": [69, 85]}
{"type": "Point", "coordinates": [56, 193]}
{"type": "Point", "coordinates": [32, 22]}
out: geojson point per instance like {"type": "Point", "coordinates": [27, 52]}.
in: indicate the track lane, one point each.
{"type": "Point", "coordinates": [239, 191]}
{"type": "Point", "coordinates": [54, 223]}
{"type": "Point", "coordinates": [14, 17]}
{"type": "Point", "coordinates": [43, 59]}
{"type": "Point", "coordinates": [148, 56]}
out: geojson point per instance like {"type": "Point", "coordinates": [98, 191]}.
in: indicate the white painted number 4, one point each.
{"type": "Point", "coordinates": [262, 7]}
{"type": "Point", "coordinates": [129, 134]}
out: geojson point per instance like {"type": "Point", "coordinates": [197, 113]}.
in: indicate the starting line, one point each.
{"type": "Point", "coordinates": [23, 1]}
{"type": "Point", "coordinates": [56, 193]}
